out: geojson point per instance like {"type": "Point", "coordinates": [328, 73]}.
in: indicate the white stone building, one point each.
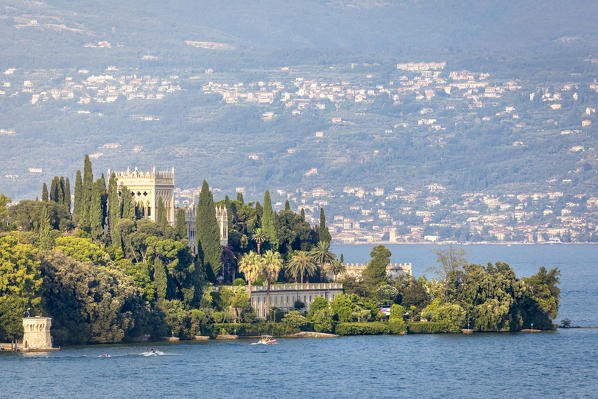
{"type": "Point", "coordinates": [146, 189]}
{"type": "Point", "coordinates": [284, 296]}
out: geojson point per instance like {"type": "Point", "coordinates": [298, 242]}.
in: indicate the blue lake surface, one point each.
{"type": "Point", "coordinates": [563, 363]}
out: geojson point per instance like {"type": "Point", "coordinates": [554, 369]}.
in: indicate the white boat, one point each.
{"type": "Point", "coordinates": [266, 340]}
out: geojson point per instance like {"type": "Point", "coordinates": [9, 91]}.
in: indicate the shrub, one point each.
{"type": "Point", "coordinates": [239, 282]}
{"type": "Point", "coordinates": [234, 328]}
{"type": "Point", "coordinates": [397, 326]}
{"type": "Point", "coordinates": [293, 321]}
{"type": "Point", "coordinates": [323, 321]}
{"type": "Point", "coordinates": [373, 328]}
{"type": "Point", "coordinates": [396, 312]}
{"type": "Point", "coordinates": [426, 327]}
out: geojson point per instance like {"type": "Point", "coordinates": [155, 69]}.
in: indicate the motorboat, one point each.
{"type": "Point", "coordinates": [266, 340]}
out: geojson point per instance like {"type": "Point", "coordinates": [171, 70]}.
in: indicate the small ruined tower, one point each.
{"type": "Point", "coordinates": [37, 333]}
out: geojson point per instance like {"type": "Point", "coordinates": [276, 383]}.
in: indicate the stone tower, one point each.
{"type": "Point", "coordinates": [146, 188]}
{"type": "Point", "coordinates": [36, 333]}
{"type": "Point", "coordinates": [222, 218]}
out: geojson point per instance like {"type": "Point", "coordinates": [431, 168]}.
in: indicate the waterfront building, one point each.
{"type": "Point", "coordinates": [284, 296]}
{"type": "Point", "coordinates": [36, 333]}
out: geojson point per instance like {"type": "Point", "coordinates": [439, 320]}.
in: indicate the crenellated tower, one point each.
{"type": "Point", "coordinates": [146, 189]}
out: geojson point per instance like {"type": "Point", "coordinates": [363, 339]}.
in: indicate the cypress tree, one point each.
{"type": "Point", "coordinates": [78, 197]}
{"type": "Point", "coordinates": [96, 212]}
{"type": "Point", "coordinates": [45, 238]}
{"type": "Point", "coordinates": [259, 211]}
{"type": "Point", "coordinates": [87, 193]}
{"type": "Point", "coordinates": [303, 214]}
{"type": "Point", "coordinates": [287, 205]}
{"type": "Point", "coordinates": [240, 198]}
{"type": "Point", "coordinates": [161, 214]}
{"type": "Point", "coordinates": [54, 190]}
{"type": "Point", "coordinates": [268, 221]}
{"type": "Point", "coordinates": [229, 212]}
{"type": "Point", "coordinates": [324, 234]}
{"type": "Point", "coordinates": [44, 192]}
{"type": "Point", "coordinates": [113, 209]}
{"type": "Point", "coordinates": [128, 208]}
{"type": "Point", "coordinates": [61, 191]}
{"type": "Point", "coordinates": [160, 279]}
{"type": "Point", "coordinates": [207, 230]}
{"type": "Point", "coordinates": [180, 224]}
{"type": "Point", "coordinates": [67, 194]}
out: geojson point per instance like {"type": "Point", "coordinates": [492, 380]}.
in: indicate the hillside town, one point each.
{"type": "Point", "coordinates": [438, 103]}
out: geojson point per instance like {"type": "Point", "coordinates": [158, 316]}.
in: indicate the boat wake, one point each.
{"type": "Point", "coordinates": [153, 353]}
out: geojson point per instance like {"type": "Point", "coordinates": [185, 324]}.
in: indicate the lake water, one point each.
{"type": "Point", "coordinates": [548, 364]}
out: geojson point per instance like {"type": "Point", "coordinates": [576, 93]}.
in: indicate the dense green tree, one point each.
{"type": "Point", "coordinates": [45, 236]}
{"type": "Point", "coordinates": [375, 272]}
{"type": "Point", "coordinates": [67, 194]}
{"type": "Point", "coordinates": [336, 267]}
{"type": "Point", "coordinates": [90, 304]}
{"type": "Point", "coordinates": [229, 212]}
{"type": "Point", "coordinates": [78, 204]}
{"type": "Point", "coordinates": [303, 214]}
{"type": "Point", "coordinates": [45, 193]}
{"type": "Point", "coordinates": [321, 255]}
{"type": "Point", "coordinates": [128, 207]}
{"type": "Point", "coordinates": [251, 267]}
{"type": "Point", "coordinates": [343, 308]}
{"type": "Point", "coordinates": [180, 224]}
{"type": "Point", "coordinates": [268, 221]}
{"type": "Point", "coordinates": [113, 210]}
{"type": "Point", "coordinates": [240, 197]}
{"type": "Point", "coordinates": [324, 234]}
{"type": "Point", "coordinates": [86, 196]}
{"type": "Point", "coordinates": [259, 237]}
{"type": "Point", "coordinates": [160, 279]}
{"type": "Point", "coordinates": [207, 230]}
{"type": "Point", "coordinates": [82, 250]}
{"type": "Point", "coordinates": [25, 215]}
{"type": "Point", "coordinates": [317, 304]}
{"type": "Point", "coordinates": [287, 205]}
{"type": "Point", "coordinates": [451, 315]}
{"type": "Point", "coordinates": [54, 189]}
{"type": "Point", "coordinates": [294, 233]}
{"type": "Point", "coordinates": [161, 218]}
{"type": "Point", "coordinates": [271, 263]}
{"type": "Point", "coordinates": [184, 278]}
{"type": "Point", "coordinates": [97, 211]}
{"type": "Point", "coordinates": [4, 214]}
{"type": "Point", "coordinates": [294, 321]}
{"type": "Point", "coordinates": [301, 265]}
{"type": "Point", "coordinates": [61, 197]}
{"type": "Point", "coordinates": [20, 284]}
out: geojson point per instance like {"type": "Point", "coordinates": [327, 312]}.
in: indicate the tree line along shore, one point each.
{"type": "Point", "coordinates": [105, 274]}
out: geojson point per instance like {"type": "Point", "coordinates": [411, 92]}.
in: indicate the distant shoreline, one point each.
{"type": "Point", "coordinates": [461, 243]}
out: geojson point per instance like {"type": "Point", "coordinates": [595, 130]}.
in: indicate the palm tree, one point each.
{"type": "Point", "coordinates": [336, 267]}
{"type": "Point", "coordinates": [301, 264]}
{"type": "Point", "coordinates": [322, 255]}
{"type": "Point", "coordinates": [259, 237]}
{"type": "Point", "coordinates": [271, 264]}
{"type": "Point", "coordinates": [251, 267]}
